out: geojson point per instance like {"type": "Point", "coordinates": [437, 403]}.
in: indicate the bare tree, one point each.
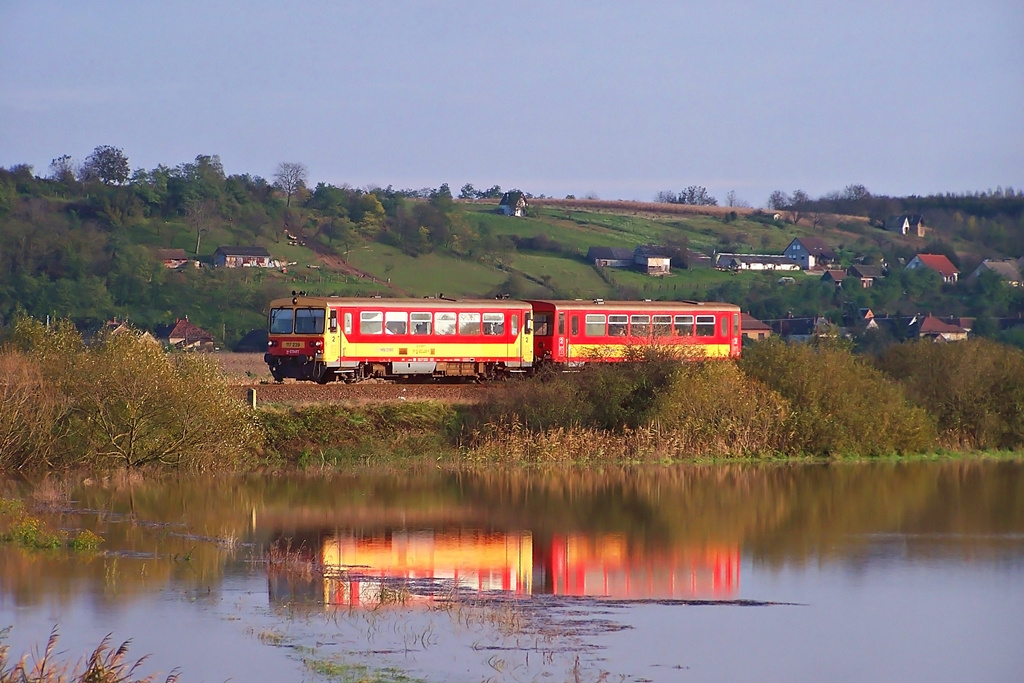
{"type": "Point", "coordinates": [198, 214]}
{"type": "Point", "coordinates": [290, 178]}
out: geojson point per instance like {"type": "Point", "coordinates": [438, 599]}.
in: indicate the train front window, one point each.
{"type": "Point", "coordinates": [542, 324]}
{"type": "Point", "coordinates": [281, 320]}
{"type": "Point", "coordinates": [309, 320]}
{"type": "Point", "coordinates": [705, 326]}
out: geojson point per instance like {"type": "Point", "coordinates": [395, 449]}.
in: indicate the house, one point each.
{"type": "Point", "coordinates": [1007, 269]}
{"type": "Point", "coordinates": [513, 203]}
{"type": "Point", "coordinates": [115, 327]}
{"type": "Point", "coordinates": [836, 277]}
{"type": "Point", "coordinates": [727, 261]}
{"type": "Point", "coordinates": [865, 274]}
{"type": "Point", "coordinates": [610, 257]}
{"type": "Point", "coordinates": [652, 259]}
{"type": "Point", "coordinates": [185, 335]}
{"type": "Point", "coordinates": [907, 224]}
{"type": "Point", "coordinates": [809, 252]}
{"type": "Point", "coordinates": [172, 258]}
{"type": "Point", "coordinates": [697, 259]}
{"type": "Point", "coordinates": [940, 331]}
{"type": "Point", "coordinates": [242, 257]}
{"type": "Point", "coordinates": [803, 329]}
{"type": "Point", "coordinates": [753, 328]}
{"type": "Point", "coordinates": [937, 262]}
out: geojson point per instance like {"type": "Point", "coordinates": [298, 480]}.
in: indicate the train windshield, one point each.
{"type": "Point", "coordinates": [281, 320]}
{"type": "Point", "coordinates": [542, 324]}
{"type": "Point", "coordinates": [309, 320]}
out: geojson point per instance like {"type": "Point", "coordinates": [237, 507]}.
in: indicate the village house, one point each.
{"type": "Point", "coordinates": [940, 263]}
{"type": "Point", "coordinates": [242, 257]}
{"type": "Point", "coordinates": [866, 275]}
{"type": "Point", "coordinates": [512, 204]}
{"type": "Point", "coordinates": [753, 328]}
{"type": "Point", "coordinates": [652, 259]}
{"type": "Point", "coordinates": [810, 252]}
{"type": "Point", "coordinates": [610, 257]}
{"type": "Point", "coordinates": [907, 224]}
{"type": "Point", "coordinates": [172, 258]}
{"type": "Point", "coordinates": [1008, 270]}
{"type": "Point", "coordinates": [186, 336]}
{"type": "Point", "coordinates": [726, 261]}
{"type": "Point", "coordinates": [836, 277]}
{"type": "Point", "coordinates": [940, 331]}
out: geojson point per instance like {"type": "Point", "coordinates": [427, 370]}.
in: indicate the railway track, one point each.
{"type": "Point", "coordinates": [308, 393]}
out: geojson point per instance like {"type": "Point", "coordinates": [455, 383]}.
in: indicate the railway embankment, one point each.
{"type": "Point", "coordinates": [122, 402]}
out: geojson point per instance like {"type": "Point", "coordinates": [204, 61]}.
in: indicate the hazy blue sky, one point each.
{"type": "Point", "coordinates": [619, 99]}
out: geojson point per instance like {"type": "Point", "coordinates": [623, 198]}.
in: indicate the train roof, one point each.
{"type": "Point", "coordinates": [432, 303]}
{"type": "Point", "coordinates": [596, 304]}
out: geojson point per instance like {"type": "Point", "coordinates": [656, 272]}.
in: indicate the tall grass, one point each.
{"type": "Point", "coordinates": [120, 400]}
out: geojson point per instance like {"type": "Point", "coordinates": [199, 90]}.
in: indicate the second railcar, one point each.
{"type": "Point", "coordinates": [576, 332]}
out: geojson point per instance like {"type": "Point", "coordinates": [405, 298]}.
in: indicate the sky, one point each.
{"type": "Point", "coordinates": [618, 100]}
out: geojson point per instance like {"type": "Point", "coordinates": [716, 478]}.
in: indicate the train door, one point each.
{"type": "Point", "coordinates": [734, 345]}
{"type": "Point", "coordinates": [332, 337]}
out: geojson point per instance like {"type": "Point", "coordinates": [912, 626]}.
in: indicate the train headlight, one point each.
{"type": "Point", "coordinates": [271, 342]}
{"type": "Point", "coordinates": [316, 344]}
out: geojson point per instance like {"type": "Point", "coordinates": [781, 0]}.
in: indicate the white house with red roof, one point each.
{"type": "Point", "coordinates": [940, 331]}
{"type": "Point", "coordinates": [937, 262]}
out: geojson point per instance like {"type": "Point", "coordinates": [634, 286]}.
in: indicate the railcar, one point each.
{"type": "Point", "coordinates": [327, 338]}
{"type": "Point", "coordinates": [572, 333]}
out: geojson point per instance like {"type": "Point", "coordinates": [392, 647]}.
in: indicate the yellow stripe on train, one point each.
{"type": "Point", "coordinates": [584, 352]}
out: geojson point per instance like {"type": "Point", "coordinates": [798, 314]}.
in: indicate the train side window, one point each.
{"type": "Point", "coordinates": [542, 324]}
{"type": "Point", "coordinates": [725, 326]}
{"type": "Point", "coordinates": [469, 323]}
{"type": "Point", "coordinates": [617, 325]}
{"type": "Point", "coordinates": [640, 325]}
{"type": "Point", "coordinates": [494, 323]}
{"type": "Point", "coordinates": [281, 320]}
{"type": "Point", "coordinates": [444, 323]}
{"type": "Point", "coordinates": [662, 325]}
{"type": "Point", "coordinates": [334, 321]}
{"type": "Point", "coordinates": [595, 325]}
{"type": "Point", "coordinates": [348, 323]}
{"type": "Point", "coordinates": [561, 323]}
{"type": "Point", "coordinates": [420, 322]}
{"type": "Point", "coordinates": [684, 325]}
{"type": "Point", "coordinates": [735, 323]}
{"type": "Point", "coordinates": [396, 322]}
{"type": "Point", "coordinates": [574, 324]}
{"type": "Point", "coordinates": [371, 322]}
{"type": "Point", "coordinates": [705, 326]}
{"type": "Point", "coordinates": [515, 325]}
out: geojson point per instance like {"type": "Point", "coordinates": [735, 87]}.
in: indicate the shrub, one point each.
{"type": "Point", "coordinates": [974, 388]}
{"type": "Point", "coordinates": [839, 404]}
{"type": "Point", "coordinates": [32, 413]}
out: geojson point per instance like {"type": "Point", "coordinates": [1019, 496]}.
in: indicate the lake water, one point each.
{"type": "Point", "coordinates": [791, 572]}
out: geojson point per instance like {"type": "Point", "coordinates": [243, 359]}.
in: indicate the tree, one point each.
{"type": "Point", "coordinates": [62, 169]}
{"type": "Point", "coordinates": [290, 178]}
{"type": "Point", "coordinates": [697, 195]}
{"type": "Point", "coordinates": [778, 200]}
{"type": "Point", "coordinates": [468, 192]}
{"type": "Point", "coordinates": [107, 164]}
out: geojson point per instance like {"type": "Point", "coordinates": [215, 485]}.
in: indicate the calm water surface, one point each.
{"type": "Point", "coordinates": [849, 572]}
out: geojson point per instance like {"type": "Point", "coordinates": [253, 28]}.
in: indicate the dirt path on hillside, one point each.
{"type": "Point", "coordinates": [336, 263]}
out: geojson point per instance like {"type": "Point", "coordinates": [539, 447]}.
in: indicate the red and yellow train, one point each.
{"type": "Point", "coordinates": [326, 338]}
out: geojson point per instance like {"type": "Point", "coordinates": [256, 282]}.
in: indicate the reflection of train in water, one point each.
{"type": "Point", "coordinates": [515, 562]}
{"type": "Point", "coordinates": [327, 338]}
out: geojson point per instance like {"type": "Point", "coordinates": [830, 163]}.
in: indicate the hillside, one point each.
{"type": "Point", "coordinates": [89, 250]}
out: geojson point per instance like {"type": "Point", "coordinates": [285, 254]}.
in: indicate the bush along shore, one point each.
{"type": "Point", "coordinates": [121, 401]}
